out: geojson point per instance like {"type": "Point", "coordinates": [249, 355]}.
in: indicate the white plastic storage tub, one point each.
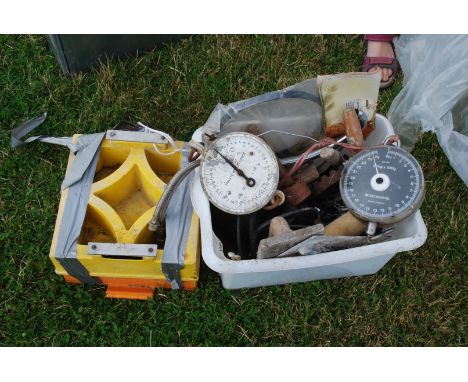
{"type": "Point", "coordinates": [409, 234]}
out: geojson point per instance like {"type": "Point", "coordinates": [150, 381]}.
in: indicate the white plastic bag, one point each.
{"type": "Point", "coordinates": [435, 94]}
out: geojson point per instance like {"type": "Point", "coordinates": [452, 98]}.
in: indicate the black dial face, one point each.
{"type": "Point", "coordinates": [383, 185]}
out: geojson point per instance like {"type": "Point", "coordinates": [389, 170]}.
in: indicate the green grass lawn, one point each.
{"type": "Point", "coordinates": [417, 299]}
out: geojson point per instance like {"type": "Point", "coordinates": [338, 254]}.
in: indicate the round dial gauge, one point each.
{"type": "Point", "coordinates": [382, 185]}
{"type": "Point", "coordinates": [239, 173]}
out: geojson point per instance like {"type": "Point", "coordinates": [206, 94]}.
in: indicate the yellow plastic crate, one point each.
{"type": "Point", "coordinates": [129, 180]}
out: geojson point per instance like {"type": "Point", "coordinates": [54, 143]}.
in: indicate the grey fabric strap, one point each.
{"type": "Point", "coordinates": [28, 126]}
{"type": "Point", "coordinates": [88, 146]}
{"type": "Point", "coordinates": [178, 219]}
{"type": "Point", "coordinates": [78, 180]}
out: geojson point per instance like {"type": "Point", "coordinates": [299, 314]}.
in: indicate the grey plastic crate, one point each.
{"type": "Point", "coordinates": [80, 52]}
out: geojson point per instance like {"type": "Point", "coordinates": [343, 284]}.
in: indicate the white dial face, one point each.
{"type": "Point", "coordinates": [239, 173]}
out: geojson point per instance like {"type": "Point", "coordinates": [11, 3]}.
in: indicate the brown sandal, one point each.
{"type": "Point", "coordinates": [382, 62]}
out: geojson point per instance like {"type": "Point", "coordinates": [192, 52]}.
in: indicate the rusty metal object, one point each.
{"type": "Point", "coordinates": [297, 193]}
{"type": "Point", "coordinates": [353, 127]}
{"type": "Point", "coordinates": [274, 245]}
{"type": "Point", "coordinates": [276, 201]}
{"type": "Point", "coordinates": [336, 130]}
{"type": "Point", "coordinates": [325, 182]}
{"type": "Point", "coordinates": [392, 139]}
{"type": "Point", "coordinates": [346, 225]}
{"type": "Point", "coordinates": [308, 173]}
{"type": "Point", "coordinates": [193, 155]}
{"type": "Point", "coordinates": [368, 128]}
{"type": "Point", "coordinates": [282, 170]}
{"type": "Point", "coordinates": [331, 155]}
{"type": "Point", "coordinates": [332, 159]}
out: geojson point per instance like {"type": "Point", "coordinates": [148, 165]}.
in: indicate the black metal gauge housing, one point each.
{"type": "Point", "coordinates": [383, 185]}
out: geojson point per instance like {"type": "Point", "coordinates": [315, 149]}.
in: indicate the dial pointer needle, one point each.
{"type": "Point", "coordinates": [375, 164]}
{"type": "Point", "coordinates": [250, 181]}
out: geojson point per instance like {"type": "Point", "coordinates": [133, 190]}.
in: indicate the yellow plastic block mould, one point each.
{"type": "Point", "coordinates": [129, 180]}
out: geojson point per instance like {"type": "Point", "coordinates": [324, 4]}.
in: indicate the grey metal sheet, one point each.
{"type": "Point", "coordinates": [134, 136]}
{"type": "Point", "coordinates": [119, 249]}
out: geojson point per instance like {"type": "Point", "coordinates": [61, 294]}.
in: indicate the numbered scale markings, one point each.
{"type": "Point", "coordinates": [383, 185]}
{"type": "Point", "coordinates": [239, 173]}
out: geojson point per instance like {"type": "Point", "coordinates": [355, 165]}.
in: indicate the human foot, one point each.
{"type": "Point", "coordinates": [381, 59]}
{"type": "Point", "coordinates": [380, 49]}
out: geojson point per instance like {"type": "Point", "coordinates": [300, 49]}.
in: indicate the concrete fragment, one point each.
{"type": "Point", "coordinates": [278, 226]}
{"type": "Point", "coordinates": [273, 246]}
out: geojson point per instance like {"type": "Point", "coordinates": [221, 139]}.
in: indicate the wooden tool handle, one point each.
{"type": "Point", "coordinates": [353, 127]}
{"type": "Point", "coordinates": [346, 225]}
